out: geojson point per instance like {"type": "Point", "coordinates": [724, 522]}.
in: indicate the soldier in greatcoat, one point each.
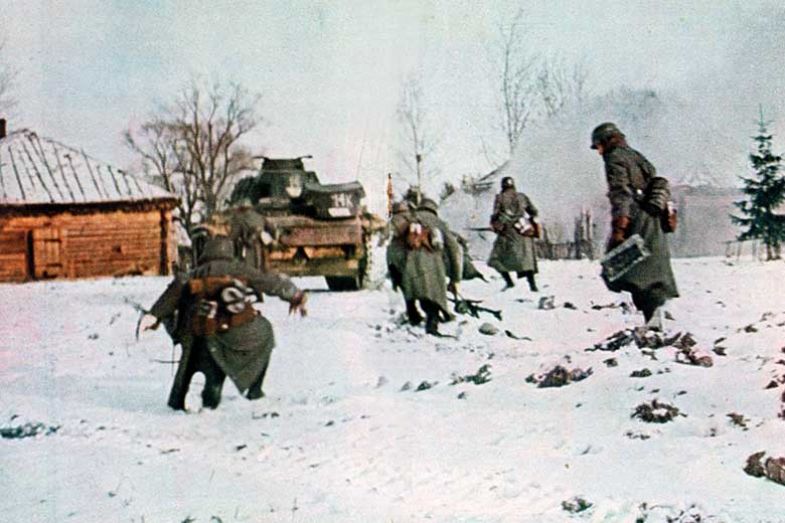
{"type": "Point", "coordinates": [514, 221]}
{"type": "Point", "coordinates": [212, 318]}
{"type": "Point", "coordinates": [250, 231]}
{"type": "Point", "coordinates": [396, 249]}
{"type": "Point", "coordinates": [425, 273]}
{"type": "Point", "coordinates": [629, 175]}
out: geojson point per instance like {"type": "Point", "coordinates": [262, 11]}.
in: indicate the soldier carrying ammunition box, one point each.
{"type": "Point", "coordinates": [639, 206]}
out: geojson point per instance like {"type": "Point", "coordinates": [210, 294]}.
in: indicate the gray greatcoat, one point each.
{"type": "Point", "coordinates": [242, 352]}
{"type": "Point", "coordinates": [425, 272]}
{"type": "Point", "coordinates": [396, 249]}
{"type": "Point", "coordinates": [245, 230]}
{"type": "Point", "coordinates": [651, 281]}
{"type": "Point", "coordinates": [512, 252]}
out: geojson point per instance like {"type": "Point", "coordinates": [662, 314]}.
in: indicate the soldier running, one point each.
{"type": "Point", "coordinates": [219, 330]}
{"type": "Point", "coordinates": [513, 220]}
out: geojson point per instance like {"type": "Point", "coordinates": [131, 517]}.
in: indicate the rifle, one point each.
{"type": "Point", "coordinates": [473, 307]}
{"type": "Point", "coordinates": [141, 310]}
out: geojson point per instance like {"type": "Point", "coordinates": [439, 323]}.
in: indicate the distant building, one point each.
{"type": "Point", "coordinates": [63, 214]}
{"type": "Point", "coordinates": [704, 219]}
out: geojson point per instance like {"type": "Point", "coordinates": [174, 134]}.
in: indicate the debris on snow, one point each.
{"type": "Point", "coordinates": [559, 376]}
{"type": "Point", "coordinates": [772, 468]}
{"type": "Point", "coordinates": [643, 373]}
{"type": "Point", "coordinates": [738, 420]}
{"type": "Point", "coordinates": [575, 504]}
{"type": "Point", "coordinates": [547, 303]}
{"type": "Point", "coordinates": [488, 329]}
{"type": "Point", "coordinates": [656, 412]}
{"type": "Point", "coordinates": [483, 375]}
{"type": "Point", "coordinates": [28, 430]}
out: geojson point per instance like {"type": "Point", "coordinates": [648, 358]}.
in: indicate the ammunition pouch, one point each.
{"type": "Point", "coordinates": [222, 302]}
{"type": "Point", "coordinates": [418, 236]}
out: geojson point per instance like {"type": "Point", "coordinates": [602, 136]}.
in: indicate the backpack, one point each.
{"type": "Point", "coordinates": [222, 302]}
{"type": "Point", "coordinates": [419, 236]}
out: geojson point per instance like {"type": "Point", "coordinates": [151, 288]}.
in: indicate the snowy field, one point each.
{"type": "Point", "coordinates": [345, 435]}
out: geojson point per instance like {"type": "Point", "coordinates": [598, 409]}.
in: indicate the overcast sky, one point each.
{"type": "Point", "coordinates": [330, 72]}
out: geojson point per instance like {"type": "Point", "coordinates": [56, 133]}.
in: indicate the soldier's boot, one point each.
{"type": "Point", "coordinates": [432, 324]}
{"type": "Point", "coordinates": [415, 318]}
{"type": "Point", "coordinates": [508, 283]}
{"type": "Point", "coordinates": [176, 399]}
{"type": "Point", "coordinates": [532, 283]}
{"type": "Point", "coordinates": [211, 395]}
{"type": "Point", "coordinates": [178, 392]}
{"type": "Point", "coordinates": [432, 312]}
{"type": "Point", "coordinates": [654, 322]}
{"type": "Point", "coordinates": [213, 384]}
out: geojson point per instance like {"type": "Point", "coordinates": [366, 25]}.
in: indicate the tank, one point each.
{"type": "Point", "coordinates": [310, 228]}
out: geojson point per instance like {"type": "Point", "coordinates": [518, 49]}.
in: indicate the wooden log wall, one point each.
{"type": "Point", "coordinates": [83, 245]}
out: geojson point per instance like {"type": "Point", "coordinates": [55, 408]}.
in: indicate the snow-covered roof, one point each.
{"type": "Point", "coordinates": [37, 170]}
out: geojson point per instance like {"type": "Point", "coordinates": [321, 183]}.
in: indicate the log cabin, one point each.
{"type": "Point", "coordinates": [64, 214]}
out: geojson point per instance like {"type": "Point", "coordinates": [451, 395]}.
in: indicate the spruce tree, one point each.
{"type": "Point", "coordinates": [765, 192]}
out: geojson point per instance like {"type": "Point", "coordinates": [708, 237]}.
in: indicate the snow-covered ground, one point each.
{"type": "Point", "coordinates": [344, 434]}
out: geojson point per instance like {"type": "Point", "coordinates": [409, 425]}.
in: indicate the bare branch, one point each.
{"type": "Point", "coordinates": [194, 144]}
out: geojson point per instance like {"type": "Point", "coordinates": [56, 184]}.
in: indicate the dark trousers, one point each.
{"type": "Point", "coordinates": [529, 278]}
{"type": "Point", "coordinates": [647, 301]}
{"type": "Point", "coordinates": [199, 360]}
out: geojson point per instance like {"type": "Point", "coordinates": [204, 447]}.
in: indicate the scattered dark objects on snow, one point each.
{"type": "Point", "coordinates": [569, 305]}
{"type": "Point", "coordinates": [546, 303]}
{"type": "Point", "coordinates": [656, 412]}
{"type": "Point", "coordinates": [611, 362]}
{"type": "Point", "coordinates": [559, 376]}
{"type": "Point", "coordinates": [488, 329]}
{"type": "Point", "coordinates": [406, 386]}
{"type": "Point", "coordinates": [771, 468]}
{"type": "Point", "coordinates": [514, 336]}
{"type": "Point", "coordinates": [693, 356]}
{"type": "Point", "coordinates": [28, 430]}
{"type": "Point", "coordinates": [483, 375]}
{"type": "Point", "coordinates": [575, 505]}
{"type": "Point", "coordinates": [738, 420]}
{"type": "Point", "coordinates": [265, 415]}
{"type": "Point", "coordinates": [649, 341]}
{"type": "Point", "coordinates": [637, 435]}
{"type": "Point", "coordinates": [462, 395]}
{"type": "Point", "coordinates": [425, 385]}
{"type": "Point", "coordinates": [473, 308]}
{"type": "Point", "coordinates": [643, 373]}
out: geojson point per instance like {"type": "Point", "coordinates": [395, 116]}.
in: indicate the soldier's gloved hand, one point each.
{"type": "Point", "coordinates": [620, 225]}
{"type": "Point", "coordinates": [297, 303]}
{"type": "Point", "coordinates": [149, 323]}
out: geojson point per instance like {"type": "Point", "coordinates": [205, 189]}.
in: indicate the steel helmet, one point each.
{"type": "Point", "coordinates": [602, 132]}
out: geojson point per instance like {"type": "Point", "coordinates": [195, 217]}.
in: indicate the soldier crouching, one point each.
{"type": "Point", "coordinates": [214, 321]}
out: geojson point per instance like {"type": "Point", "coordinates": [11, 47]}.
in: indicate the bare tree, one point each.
{"type": "Point", "coordinates": [193, 146]}
{"type": "Point", "coordinates": [7, 80]}
{"type": "Point", "coordinates": [560, 84]}
{"type": "Point", "coordinates": [518, 89]}
{"type": "Point", "coordinates": [531, 86]}
{"type": "Point", "coordinates": [420, 138]}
